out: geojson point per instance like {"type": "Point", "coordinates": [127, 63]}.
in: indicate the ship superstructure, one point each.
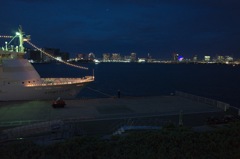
{"type": "Point", "coordinates": [20, 81]}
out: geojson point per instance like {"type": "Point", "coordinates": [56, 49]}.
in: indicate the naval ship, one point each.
{"type": "Point", "coordinates": [20, 81]}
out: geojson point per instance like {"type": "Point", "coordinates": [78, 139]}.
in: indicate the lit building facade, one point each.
{"type": "Point", "coordinates": [133, 57]}
{"type": "Point", "coordinates": [116, 57]}
{"type": "Point", "coordinates": [91, 56]}
{"type": "Point", "coordinates": [228, 58]}
{"type": "Point", "coordinates": [106, 57]}
{"type": "Point", "coordinates": [207, 58]}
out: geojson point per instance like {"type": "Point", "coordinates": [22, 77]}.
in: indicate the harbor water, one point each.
{"type": "Point", "coordinates": [216, 81]}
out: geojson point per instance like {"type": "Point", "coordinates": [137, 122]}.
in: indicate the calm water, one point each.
{"type": "Point", "coordinates": [220, 82]}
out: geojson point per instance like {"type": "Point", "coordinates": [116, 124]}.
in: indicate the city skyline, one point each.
{"type": "Point", "coordinates": [35, 55]}
{"type": "Point", "coordinates": [156, 27]}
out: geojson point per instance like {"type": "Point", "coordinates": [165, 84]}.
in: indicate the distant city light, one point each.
{"type": "Point", "coordinates": [180, 58]}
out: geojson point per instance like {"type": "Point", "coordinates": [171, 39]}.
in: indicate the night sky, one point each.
{"type": "Point", "coordinates": [158, 27]}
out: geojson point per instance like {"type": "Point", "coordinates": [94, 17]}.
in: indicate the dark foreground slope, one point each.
{"type": "Point", "coordinates": [169, 142]}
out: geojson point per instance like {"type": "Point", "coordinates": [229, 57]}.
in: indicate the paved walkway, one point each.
{"type": "Point", "coordinates": [101, 116]}
{"type": "Point", "coordinates": [30, 111]}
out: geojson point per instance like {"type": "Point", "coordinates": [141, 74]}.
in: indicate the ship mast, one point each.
{"type": "Point", "coordinates": [20, 36]}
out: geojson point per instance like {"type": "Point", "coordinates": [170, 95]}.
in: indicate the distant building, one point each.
{"type": "Point", "coordinates": [133, 57]}
{"type": "Point", "coordinates": [91, 56]}
{"type": "Point", "coordinates": [116, 57]}
{"type": "Point", "coordinates": [52, 51]}
{"type": "Point", "coordinates": [35, 55]}
{"type": "Point", "coordinates": [149, 56]}
{"type": "Point", "coordinates": [81, 56]}
{"type": "Point", "coordinates": [106, 57]}
{"type": "Point", "coordinates": [219, 59]}
{"type": "Point", "coordinates": [207, 58]}
{"type": "Point", "coordinates": [195, 58]}
{"type": "Point", "coordinates": [64, 56]}
{"type": "Point", "coordinates": [228, 58]}
{"type": "Point", "coordinates": [175, 57]}
{"type": "Point", "coordinates": [141, 60]}
{"type": "Point", "coordinates": [127, 58]}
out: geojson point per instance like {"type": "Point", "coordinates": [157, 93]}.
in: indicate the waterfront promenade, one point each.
{"type": "Point", "coordinates": [101, 116]}
{"type": "Point", "coordinates": [25, 112]}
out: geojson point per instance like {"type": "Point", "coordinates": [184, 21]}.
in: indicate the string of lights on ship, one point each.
{"type": "Point", "coordinates": [44, 52]}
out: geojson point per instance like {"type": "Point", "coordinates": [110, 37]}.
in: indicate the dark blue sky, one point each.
{"type": "Point", "coordinates": [158, 27]}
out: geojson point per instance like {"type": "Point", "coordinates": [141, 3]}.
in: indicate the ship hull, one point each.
{"type": "Point", "coordinates": [19, 80]}
{"type": "Point", "coordinates": [40, 93]}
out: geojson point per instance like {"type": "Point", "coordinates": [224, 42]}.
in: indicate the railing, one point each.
{"type": "Point", "coordinates": [224, 106]}
{"type": "Point", "coordinates": [213, 102]}
{"type": "Point", "coordinates": [27, 130]}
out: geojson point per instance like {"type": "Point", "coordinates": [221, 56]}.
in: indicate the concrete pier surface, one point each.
{"type": "Point", "coordinates": [25, 112]}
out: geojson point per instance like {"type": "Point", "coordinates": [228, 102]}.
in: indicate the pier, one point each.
{"type": "Point", "coordinates": [103, 108]}
{"type": "Point", "coordinates": [102, 115]}
{"type": "Point", "coordinates": [39, 121]}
